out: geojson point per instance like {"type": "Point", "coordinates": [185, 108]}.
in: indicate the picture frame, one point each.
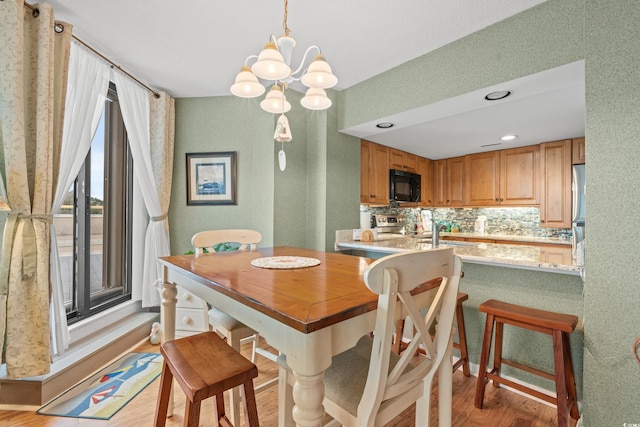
{"type": "Point", "coordinates": [211, 178]}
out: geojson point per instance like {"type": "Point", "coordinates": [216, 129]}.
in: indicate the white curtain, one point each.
{"type": "Point", "coordinates": [87, 87]}
{"type": "Point", "coordinates": [134, 103]}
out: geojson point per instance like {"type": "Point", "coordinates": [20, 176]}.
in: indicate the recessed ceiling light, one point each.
{"type": "Point", "coordinates": [494, 96]}
{"type": "Point", "coordinates": [508, 137]}
{"type": "Point", "coordinates": [384, 125]}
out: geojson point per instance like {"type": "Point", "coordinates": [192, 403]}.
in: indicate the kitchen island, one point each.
{"type": "Point", "coordinates": [516, 254]}
{"type": "Point", "coordinates": [544, 277]}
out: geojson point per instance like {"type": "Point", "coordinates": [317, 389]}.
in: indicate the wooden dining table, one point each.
{"type": "Point", "coordinates": [309, 314]}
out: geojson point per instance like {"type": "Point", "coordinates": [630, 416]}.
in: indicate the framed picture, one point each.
{"type": "Point", "coordinates": [211, 178]}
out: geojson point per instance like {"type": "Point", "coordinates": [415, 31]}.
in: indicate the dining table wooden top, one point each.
{"type": "Point", "coordinates": [306, 299]}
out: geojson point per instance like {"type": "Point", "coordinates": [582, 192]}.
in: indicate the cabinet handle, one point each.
{"type": "Point", "coordinates": [186, 320]}
{"type": "Point", "coordinates": [502, 200]}
{"type": "Point", "coordinates": [187, 297]}
{"type": "Point", "coordinates": [542, 220]}
{"type": "Point", "coordinates": [496, 199]}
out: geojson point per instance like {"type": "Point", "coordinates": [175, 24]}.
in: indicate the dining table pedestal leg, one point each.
{"type": "Point", "coordinates": [168, 319]}
{"type": "Point", "coordinates": [308, 394]}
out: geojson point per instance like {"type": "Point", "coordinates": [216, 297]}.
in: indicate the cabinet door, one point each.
{"type": "Point", "coordinates": [482, 179]}
{"type": "Point", "coordinates": [439, 183]}
{"type": "Point", "coordinates": [425, 169]}
{"type": "Point", "coordinates": [379, 171]}
{"type": "Point", "coordinates": [455, 181]}
{"type": "Point", "coordinates": [403, 161]}
{"type": "Point", "coordinates": [578, 149]}
{"type": "Point", "coordinates": [396, 159]}
{"type": "Point", "coordinates": [520, 176]}
{"type": "Point", "coordinates": [411, 162]}
{"type": "Point", "coordinates": [555, 194]}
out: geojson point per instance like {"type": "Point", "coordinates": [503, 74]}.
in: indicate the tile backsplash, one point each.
{"type": "Point", "coordinates": [509, 221]}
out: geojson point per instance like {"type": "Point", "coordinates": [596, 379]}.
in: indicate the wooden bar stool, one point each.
{"type": "Point", "coordinates": [204, 365]}
{"type": "Point", "coordinates": [399, 346]}
{"type": "Point", "coordinates": [558, 325]}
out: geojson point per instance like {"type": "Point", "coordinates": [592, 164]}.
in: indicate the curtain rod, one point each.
{"type": "Point", "coordinates": [60, 28]}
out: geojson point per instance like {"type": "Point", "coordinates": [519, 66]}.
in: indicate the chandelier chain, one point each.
{"type": "Point", "coordinates": [284, 24]}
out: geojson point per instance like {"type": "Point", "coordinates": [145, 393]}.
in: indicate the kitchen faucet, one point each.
{"type": "Point", "coordinates": [435, 234]}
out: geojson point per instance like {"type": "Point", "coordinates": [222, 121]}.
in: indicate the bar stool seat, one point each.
{"type": "Point", "coordinates": [558, 325]}
{"type": "Point", "coordinates": [399, 346]}
{"type": "Point", "coordinates": [204, 365]}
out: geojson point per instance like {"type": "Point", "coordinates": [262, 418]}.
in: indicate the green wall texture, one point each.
{"type": "Point", "coordinates": [605, 34]}
{"type": "Point", "coordinates": [318, 193]}
{"type": "Point", "coordinates": [300, 206]}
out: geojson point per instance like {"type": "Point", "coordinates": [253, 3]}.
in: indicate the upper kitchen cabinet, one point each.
{"type": "Point", "coordinates": [503, 178]}
{"type": "Point", "coordinates": [578, 151]}
{"type": "Point", "coordinates": [483, 179]}
{"type": "Point", "coordinates": [555, 195]}
{"type": "Point", "coordinates": [402, 160]}
{"type": "Point", "coordinates": [374, 173]}
{"type": "Point", "coordinates": [520, 176]}
{"type": "Point", "coordinates": [425, 169]}
{"type": "Point", "coordinates": [449, 182]}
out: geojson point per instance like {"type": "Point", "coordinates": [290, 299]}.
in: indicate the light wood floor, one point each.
{"type": "Point", "coordinates": [502, 408]}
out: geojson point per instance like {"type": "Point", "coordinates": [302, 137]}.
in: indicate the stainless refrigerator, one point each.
{"type": "Point", "coordinates": [578, 190]}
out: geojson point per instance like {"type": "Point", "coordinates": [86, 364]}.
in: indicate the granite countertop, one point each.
{"type": "Point", "coordinates": [531, 257]}
{"type": "Point", "coordinates": [508, 237]}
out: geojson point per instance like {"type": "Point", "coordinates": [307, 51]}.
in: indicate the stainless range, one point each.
{"type": "Point", "coordinates": [388, 223]}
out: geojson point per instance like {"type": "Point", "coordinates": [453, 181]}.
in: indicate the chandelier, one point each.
{"type": "Point", "coordinates": [273, 64]}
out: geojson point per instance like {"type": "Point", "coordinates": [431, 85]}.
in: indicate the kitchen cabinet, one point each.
{"type": "Point", "coordinates": [520, 176]}
{"type": "Point", "coordinates": [503, 178]}
{"type": "Point", "coordinates": [374, 173]}
{"type": "Point", "coordinates": [402, 160]}
{"type": "Point", "coordinates": [483, 179]}
{"type": "Point", "coordinates": [448, 182]}
{"type": "Point", "coordinates": [578, 151]}
{"type": "Point", "coordinates": [555, 194]}
{"type": "Point", "coordinates": [425, 169]}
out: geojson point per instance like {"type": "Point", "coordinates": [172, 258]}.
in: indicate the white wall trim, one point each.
{"type": "Point", "coordinates": [95, 324]}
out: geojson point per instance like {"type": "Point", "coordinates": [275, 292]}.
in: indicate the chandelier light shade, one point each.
{"type": "Point", "coordinates": [275, 101]}
{"type": "Point", "coordinates": [273, 64]}
{"type": "Point", "coordinates": [319, 74]}
{"type": "Point", "coordinates": [270, 64]}
{"type": "Point", "coordinates": [247, 84]}
{"type": "Point", "coordinates": [316, 99]}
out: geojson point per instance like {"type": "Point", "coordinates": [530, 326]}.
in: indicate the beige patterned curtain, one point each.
{"type": "Point", "coordinates": [33, 76]}
{"type": "Point", "coordinates": [161, 133]}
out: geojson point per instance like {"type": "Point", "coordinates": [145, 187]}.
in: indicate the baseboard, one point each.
{"type": "Point", "coordinates": [79, 362]}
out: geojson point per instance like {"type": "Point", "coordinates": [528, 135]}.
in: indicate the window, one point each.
{"type": "Point", "coordinates": [93, 226]}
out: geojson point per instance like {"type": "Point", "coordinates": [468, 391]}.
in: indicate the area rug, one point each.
{"type": "Point", "coordinates": [106, 392]}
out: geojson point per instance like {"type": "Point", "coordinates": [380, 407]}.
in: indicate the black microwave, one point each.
{"type": "Point", "coordinates": [404, 186]}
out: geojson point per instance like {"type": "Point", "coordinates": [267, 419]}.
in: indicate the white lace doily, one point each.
{"type": "Point", "coordinates": [284, 262]}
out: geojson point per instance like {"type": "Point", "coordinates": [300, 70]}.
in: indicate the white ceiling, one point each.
{"type": "Point", "coordinates": [195, 49]}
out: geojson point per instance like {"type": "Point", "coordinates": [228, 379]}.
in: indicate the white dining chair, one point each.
{"type": "Point", "coordinates": [369, 384]}
{"type": "Point", "coordinates": [235, 332]}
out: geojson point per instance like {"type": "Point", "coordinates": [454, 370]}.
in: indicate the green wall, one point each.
{"type": "Point", "coordinates": [300, 206]}
{"type": "Point", "coordinates": [612, 294]}
{"type": "Point", "coordinates": [224, 124]}
{"type": "Point", "coordinates": [319, 191]}
{"type": "Point", "coordinates": [605, 35]}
